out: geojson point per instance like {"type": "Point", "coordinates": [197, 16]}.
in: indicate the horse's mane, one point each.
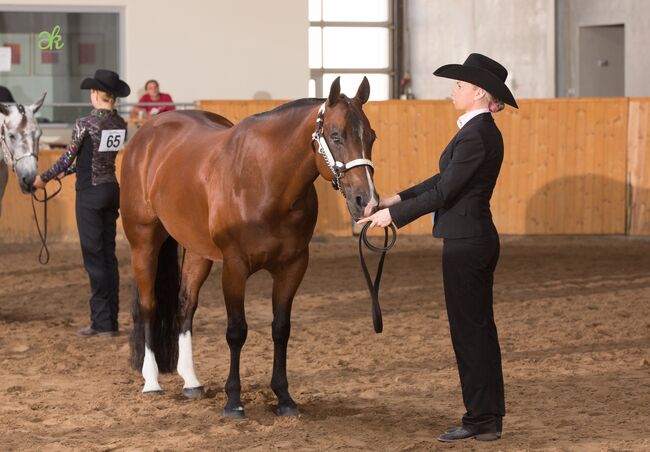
{"type": "Point", "coordinates": [353, 114]}
{"type": "Point", "coordinates": [293, 104]}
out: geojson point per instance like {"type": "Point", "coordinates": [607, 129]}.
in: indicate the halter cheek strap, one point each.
{"type": "Point", "coordinates": [6, 153]}
{"type": "Point", "coordinates": [338, 168]}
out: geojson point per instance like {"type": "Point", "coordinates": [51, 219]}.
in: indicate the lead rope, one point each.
{"type": "Point", "coordinates": [373, 286]}
{"type": "Point", "coordinates": [44, 253]}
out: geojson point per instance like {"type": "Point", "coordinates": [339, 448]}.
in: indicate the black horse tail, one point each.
{"type": "Point", "coordinates": [165, 326]}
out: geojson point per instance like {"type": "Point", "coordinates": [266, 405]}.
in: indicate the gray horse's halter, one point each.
{"type": "Point", "coordinates": [9, 158]}
{"type": "Point", "coordinates": [337, 168]}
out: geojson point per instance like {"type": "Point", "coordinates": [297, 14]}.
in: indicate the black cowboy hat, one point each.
{"type": "Point", "coordinates": [107, 81]}
{"type": "Point", "coordinates": [483, 72]}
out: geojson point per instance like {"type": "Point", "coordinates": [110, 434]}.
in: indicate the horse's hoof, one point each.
{"type": "Point", "coordinates": [235, 413]}
{"type": "Point", "coordinates": [155, 392]}
{"type": "Point", "coordinates": [287, 410]}
{"type": "Point", "coordinates": [193, 393]}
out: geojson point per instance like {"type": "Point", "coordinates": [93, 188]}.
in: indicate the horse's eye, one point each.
{"type": "Point", "coordinates": [336, 138]}
{"type": "Point", "coordinates": [12, 136]}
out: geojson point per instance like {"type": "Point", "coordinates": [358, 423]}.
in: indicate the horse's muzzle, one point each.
{"type": "Point", "coordinates": [27, 183]}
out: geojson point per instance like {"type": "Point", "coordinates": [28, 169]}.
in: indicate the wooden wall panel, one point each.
{"type": "Point", "coordinates": [639, 167]}
{"type": "Point", "coordinates": [565, 168]}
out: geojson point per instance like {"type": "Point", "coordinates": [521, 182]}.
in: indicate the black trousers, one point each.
{"type": "Point", "coordinates": [97, 212]}
{"type": "Point", "coordinates": [468, 271]}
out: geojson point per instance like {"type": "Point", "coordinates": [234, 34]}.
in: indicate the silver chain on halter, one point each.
{"type": "Point", "coordinates": [8, 156]}
{"type": "Point", "coordinates": [337, 168]}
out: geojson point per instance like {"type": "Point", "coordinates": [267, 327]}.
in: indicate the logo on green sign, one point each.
{"type": "Point", "coordinates": [50, 41]}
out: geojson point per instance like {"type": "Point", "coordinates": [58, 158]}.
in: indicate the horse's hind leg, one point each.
{"type": "Point", "coordinates": [195, 271]}
{"type": "Point", "coordinates": [146, 242]}
{"type": "Point", "coordinates": [235, 274]}
{"type": "Point", "coordinates": [286, 279]}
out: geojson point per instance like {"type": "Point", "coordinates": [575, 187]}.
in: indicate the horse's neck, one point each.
{"type": "Point", "coordinates": [295, 157]}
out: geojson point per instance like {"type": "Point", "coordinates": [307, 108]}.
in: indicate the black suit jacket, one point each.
{"type": "Point", "coordinates": [460, 194]}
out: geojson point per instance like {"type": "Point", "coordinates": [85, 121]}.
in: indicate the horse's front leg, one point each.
{"type": "Point", "coordinates": [287, 276]}
{"type": "Point", "coordinates": [195, 271]}
{"type": "Point", "coordinates": [235, 274]}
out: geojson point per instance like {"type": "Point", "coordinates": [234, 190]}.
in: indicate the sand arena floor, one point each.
{"type": "Point", "coordinates": [573, 315]}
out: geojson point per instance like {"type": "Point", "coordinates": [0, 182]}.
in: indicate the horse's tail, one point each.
{"type": "Point", "coordinates": [165, 327]}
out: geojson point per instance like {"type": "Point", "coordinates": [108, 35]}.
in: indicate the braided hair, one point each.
{"type": "Point", "coordinates": [494, 104]}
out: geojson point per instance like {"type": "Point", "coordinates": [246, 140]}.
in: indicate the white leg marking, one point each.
{"type": "Point", "coordinates": [185, 367]}
{"type": "Point", "coordinates": [150, 372]}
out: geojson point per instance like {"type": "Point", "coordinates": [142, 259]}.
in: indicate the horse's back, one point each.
{"type": "Point", "coordinates": [199, 117]}
{"type": "Point", "coordinates": [171, 132]}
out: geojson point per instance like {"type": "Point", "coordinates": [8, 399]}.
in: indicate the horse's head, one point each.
{"type": "Point", "coordinates": [344, 139]}
{"type": "Point", "coordinates": [19, 134]}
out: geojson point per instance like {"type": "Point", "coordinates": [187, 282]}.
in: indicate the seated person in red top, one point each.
{"type": "Point", "coordinates": [153, 94]}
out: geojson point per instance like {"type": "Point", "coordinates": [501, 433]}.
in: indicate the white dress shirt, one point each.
{"type": "Point", "coordinates": [464, 119]}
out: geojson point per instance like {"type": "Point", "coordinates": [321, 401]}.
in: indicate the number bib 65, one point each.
{"type": "Point", "coordinates": [112, 140]}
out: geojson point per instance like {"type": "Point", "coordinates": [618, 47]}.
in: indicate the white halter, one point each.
{"type": "Point", "coordinates": [338, 168]}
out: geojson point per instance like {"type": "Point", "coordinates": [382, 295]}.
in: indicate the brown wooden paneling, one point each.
{"type": "Point", "coordinates": [564, 167]}
{"type": "Point", "coordinates": [564, 171]}
{"type": "Point", "coordinates": [17, 220]}
{"type": "Point", "coordinates": [639, 167]}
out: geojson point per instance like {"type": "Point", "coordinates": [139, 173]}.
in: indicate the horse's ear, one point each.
{"type": "Point", "coordinates": [37, 105]}
{"type": "Point", "coordinates": [335, 92]}
{"type": "Point", "coordinates": [363, 93]}
{"type": "Point", "coordinates": [4, 109]}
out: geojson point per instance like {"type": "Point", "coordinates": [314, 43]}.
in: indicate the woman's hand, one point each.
{"type": "Point", "coordinates": [389, 201]}
{"type": "Point", "coordinates": [38, 182]}
{"type": "Point", "coordinates": [381, 219]}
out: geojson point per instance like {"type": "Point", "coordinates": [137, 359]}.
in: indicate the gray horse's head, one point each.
{"type": "Point", "coordinates": [19, 134]}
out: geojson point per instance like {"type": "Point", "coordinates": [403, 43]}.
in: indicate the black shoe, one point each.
{"type": "Point", "coordinates": [453, 429]}
{"type": "Point", "coordinates": [90, 332]}
{"type": "Point", "coordinates": [465, 432]}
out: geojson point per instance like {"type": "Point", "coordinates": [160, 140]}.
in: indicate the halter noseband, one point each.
{"type": "Point", "coordinates": [338, 168]}
{"type": "Point", "coordinates": [9, 157]}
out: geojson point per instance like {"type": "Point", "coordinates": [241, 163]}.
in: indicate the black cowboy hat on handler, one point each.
{"type": "Point", "coordinates": [107, 81]}
{"type": "Point", "coordinates": [483, 72]}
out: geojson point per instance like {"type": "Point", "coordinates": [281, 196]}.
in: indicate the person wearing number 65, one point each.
{"type": "Point", "coordinates": [96, 138]}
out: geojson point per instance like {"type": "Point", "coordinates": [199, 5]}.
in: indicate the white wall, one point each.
{"type": "Point", "coordinates": [634, 14]}
{"type": "Point", "coordinates": [517, 33]}
{"type": "Point", "coordinates": [208, 49]}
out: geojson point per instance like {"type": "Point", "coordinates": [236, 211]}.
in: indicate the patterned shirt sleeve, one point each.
{"type": "Point", "coordinates": [64, 163]}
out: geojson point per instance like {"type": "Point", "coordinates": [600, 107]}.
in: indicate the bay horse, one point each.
{"type": "Point", "coordinates": [242, 194]}
{"type": "Point", "coordinates": [19, 135]}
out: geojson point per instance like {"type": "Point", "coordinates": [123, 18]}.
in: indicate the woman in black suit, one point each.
{"type": "Point", "coordinates": [459, 196]}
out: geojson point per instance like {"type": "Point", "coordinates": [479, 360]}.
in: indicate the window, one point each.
{"type": "Point", "coordinates": [350, 39]}
{"type": "Point", "coordinates": [54, 51]}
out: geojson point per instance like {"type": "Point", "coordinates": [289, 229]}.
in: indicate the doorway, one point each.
{"type": "Point", "coordinates": [602, 61]}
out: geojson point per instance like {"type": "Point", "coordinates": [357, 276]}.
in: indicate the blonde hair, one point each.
{"type": "Point", "coordinates": [106, 97]}
{"type": "Point", "coordinates": [494, 104]}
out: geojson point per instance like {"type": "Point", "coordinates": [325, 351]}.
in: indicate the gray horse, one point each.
{"type": "Point", "coordinates": [19, 134]}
